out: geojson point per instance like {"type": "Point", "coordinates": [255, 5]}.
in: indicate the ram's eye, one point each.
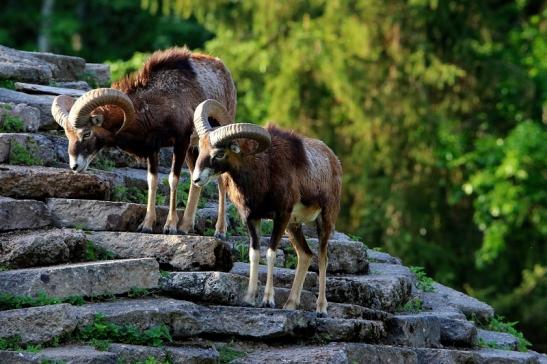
{"type": "Point", "coordinates": [86, 134]}
{"type": "Point", "coordinates": [219, 155]}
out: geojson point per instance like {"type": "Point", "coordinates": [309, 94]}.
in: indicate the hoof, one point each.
{"type": "Point", "coordinates": [290, 306]}
{"type": "Point", "coordinates": [322, 314]}
{"type": "Point", "coordinates": [220, 236]}
{"type": "Point", "coordinates": [169, 230]}
{"type": "Point", "coordinates": [144, 229]}
{"type": "Point", "coordinates": [247, 304]}
{"type": "Point", "coordinates": [267, 304]}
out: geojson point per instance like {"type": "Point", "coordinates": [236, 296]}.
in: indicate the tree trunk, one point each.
{"type": "Point", "coordinates": [45, 26]}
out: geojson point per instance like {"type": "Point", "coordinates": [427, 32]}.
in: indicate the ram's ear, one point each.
{"type": "Point", "coordinates": [97, 120]}
{"type": "Point", "coordinates": [234, 147]}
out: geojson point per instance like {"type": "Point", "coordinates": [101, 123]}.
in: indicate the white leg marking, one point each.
{"type": "Point", "coordinates": [254, 257]}
{"type": "Point", "coordinates": [150, 218]}
{"type": "Point", "coordinates": [221, 225]}
{"type": "Point", "coordinates": [269, 294]}
{"type": "Point", "coordinates": [172, 218]}
{"type": "Point", "coordinates": [191, 206]}
{"type": "Point", "coordinates": [321, 298]}
{"type": "Point", "coordinates": [302, 266]}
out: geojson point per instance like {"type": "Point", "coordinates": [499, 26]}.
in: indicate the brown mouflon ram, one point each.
{"type": "Point", "coordinates": [271, 173]}
{"type": "Point", "coordinates": [146, 111]}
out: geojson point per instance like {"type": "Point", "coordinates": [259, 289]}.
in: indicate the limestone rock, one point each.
{"type": "Point", "coordinates": [346, 310]}
{"type": "Point", "coordinates": [283, 277]}
{"type": "Point", "coordinates": [192, 355]}
{"type": "Point", "coordinates": [38, 324]}
{"type": "Point", "coordinates": [414, 331]}
{"type": "Point", "coordinates": [444, 297]}
{"type": "Point", "coordinates": [495, 356]}
{"type": "Point", "coordinates": [176, 251]}
{"type": "Point", "coordinates": [41, 102]}
{"type": "Point", "coordinates": [381, 257]}
{"type": "Point", "coordinates": [333, 329]}
{"type": "Point", "coordinates": [83, 279]}
{"type": "Point", "coordinates": [29, 116]}
{"type": "Point", "coordinates": [444, 356]}
{"type": "Point", "coordinates": [22, 214]}
{"type": "Point", "coordinates": [32, 88]}
{"type": "Point", "coordinates": [77, 354]}
{"type": "Point", "coordinates": [42, 247]}
{"type": "Point", "coordinates": [75, 85]}
{"type": "Point", "coordinates": [17, 65]}
{"type": "Point", "coordinates": [64, 68]}
{"type": "Point", "coordinates": [43, 182]}
{"type": "Point", "coordinates": [502, 340]}
{"type": "Point", "coordinates": [137, 353]}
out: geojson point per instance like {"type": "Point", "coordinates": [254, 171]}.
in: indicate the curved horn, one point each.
{"type": "Point", "coordinates": [208, 108]}
{"type": "Point", "coordinates": [79, 114]}
{"type": "Point", "coordinates": [60, 108]}
{"type": "Point", "coordinates": [242, 130]}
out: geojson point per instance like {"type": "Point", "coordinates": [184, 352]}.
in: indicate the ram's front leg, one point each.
{"type": "Point", "coordinates": [280, 223]}
{"type": "Point", "coordinates": [147, 226]}
{"type": "Point", "coordinates": [253, 226]}
{"type": "Point", "coordinates": [179, 153]}
{"type": "Point", "coordinates": [221, 225]}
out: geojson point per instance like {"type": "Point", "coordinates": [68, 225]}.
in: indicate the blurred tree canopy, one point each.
{"type": "Point", "coordinates": [437, 110]}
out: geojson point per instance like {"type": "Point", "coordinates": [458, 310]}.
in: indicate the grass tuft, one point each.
{"type": "Point", "coordinates": [424, 282]}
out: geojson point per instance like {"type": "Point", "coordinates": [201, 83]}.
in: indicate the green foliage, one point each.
{"type": "Point", "coordinates": [102, 162]}
{"type": "Point", "coordinates": [12, 124]}
{"type": "Point", "coordinates": [165, 274]}
{"type": "Point", "coordinates": [137, 292]}
{"type": "Point", "coordinates": [291, 259]}
{"type": "Point", "coordinates": [13, 343]}
{"type": "Point", "coordinates": [242, 250]}
{"type": "Point", "coordinates": [236, 226]}
{"type": "Point", "coordinates": [498, 324]}
{"type": "Point", "coordinates": [266, 227]}
{"type": "Point", "coordinates": [120, 68]}
{"type": "Point", "coordinates": [488, 344]}
{"type": "Point", "coordinates": [424, 282]}
{"type": "Point", "coordinates": [20, 155]}
{"type": "Point", "coordinates": [129, 194]}
{"type": "Point", "coordinates": [10, 302]}
{"type": "Point", "coordinates": [152, 360]}
{"type": "Point", "coordinates": [227, 354]}
{"type": "Point", "coordinates": [101, 333]}
{"type": "Point", "coordinates": [9, 84]}
{"type": "Point", "coordinates": [414, 305]}
{"type": "Point", "coordinates": [94, 252]}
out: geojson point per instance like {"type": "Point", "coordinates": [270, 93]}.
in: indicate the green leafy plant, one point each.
{"type": "Point", "coordinates": [424, 282]}
{"type": "Point", "coordinates": [414, 305]}
{"type": "Point", "coordinates": [10, 302]}
{"type": "Point", "coordinates": [228, 353]}
{"type": "Point", "coordinates": [498, 324]}
{"type": "Point", "coordinates": [137, 292]}
{"type": "Point", "coordinates": [291, 259]}
{"type": "Point", "coordinates": [104, 163]}
{"type": "Point", "coordinates": [488, 344]}
{"type": "Point", "coordinates": [165, 274]}
{"type": "Point", "coordinates": [94, 252]}
{"type": "Point", "coordinates": [100, 332]}
{"type": "Point", "coordinates": [12, 124]}
{"type": "Point", "coordinates": [13, 343]}
{"type": "Point", "coordinates": [9, 84]}
{"type": "Point", "coordinates": [129, 194]}
{"type": "Point", "coordinates": [6, 107]}
{"type": "Point", "coordinates": [20, 155]}
{"type": "Point", "coordinates": [266, 227]}
{"type": "Point", "coordinates": [242, 250]}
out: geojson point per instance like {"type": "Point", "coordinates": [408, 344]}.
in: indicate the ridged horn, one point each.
{"type": "Point", "coordinates": [208, 108]}
{"type": "Point", "coordinates": [60, 109]}
{"type": "Point", "coordinates": [82, 108]}
{"type": "Point", "coordinates": [230, 132]}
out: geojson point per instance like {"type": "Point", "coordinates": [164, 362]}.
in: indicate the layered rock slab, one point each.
{"type": "Point", "coordinates": [186, 253]}
{"type": "Point", "coordinates": [23, 214]}
{"type": "Point", "coordinates": [83, 279]}
{"type": "Point", "coordinates": [41, 248]}
{"type": "Point", "coordinates": [44, 182]}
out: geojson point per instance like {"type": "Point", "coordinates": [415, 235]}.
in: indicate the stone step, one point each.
{"type": "Point", "coordinates": [386, 289]}
{"type": "Point", "coordinates": [23, 214]}
{"type": "Point", "coordinates": [17, 65]}
{"type": "Point", "coordinates": [63, 68]}
{"type": "Point", "coordinates": [29, 116]}
{"type": "Point", "coordinates": [73, 354]}
{"type": "Point", "coordinates": [99, 73]}
{"type": "Point", "coordinates": [179, 252]}
{"type": "Point", "coordinates": [40, 149]}
{"type": "Point", "coordinates": [501, 340]}
{"type": "Point", "coordinates": [41, 248]}
{"type": "Point", "coordinates": [333, 353]}
{"type": "Point", "coordinates": [345, 256]}
{"type": "Point", "coordinates": [495, 356]}
{"type": "Point", "coordinates": [40, 102]}
{"type": "Point", "coordinates": [444, 298]}
{"type": "Point", "coordinates": [375, 256]}
{"type": "Point", "coordinates": [176, 354]}
{"type": "Point", "coordinates": [43, 182]}
{"type": "Point", "coordinates": [82, 279]}
{"type": "Point", "coordinates": [186, 319]}
{"type": "Point", "coordinates": [97, 215]}
{"type": "Point", "coordinates": [32, 88]}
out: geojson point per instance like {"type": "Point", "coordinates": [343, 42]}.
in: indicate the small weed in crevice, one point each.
{"type": "Point", "coordinates": [414, 305]}
{"type": "Point", "coordinates": [20, 155]}
{"type": "Point", "coordinates": [12, 124]}
{"type": "Point", "coordinates": [498, 324]}
{"type": "Point", "coordinates": [488, 344]}
{"type": "Point", "coordinates": [14, 343]}
{"type": "Point", "coordinates": [423, 282]}
{"type": "Point", "coordinates": [242, 250]}
{"type": "Point", "coordinates": [137, 292]}
{"type": "Point", "coordinates": [94, 252]}
{"type": "Point", "coordinates": [104, 163]}
{"type": "Point", "coordinates": [10, 302]}
{"type": "Point", "coordinates": [129, 194]}
{"type": "Point", "coordinates": [291, 259]}
{"type": "Point", "coordinates": [9, 84]}
{"type": "Point", "coordinates": [227, 353]}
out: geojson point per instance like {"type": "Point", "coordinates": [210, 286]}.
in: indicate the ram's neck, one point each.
{"type": "Point", "coordinates": [249, 184]}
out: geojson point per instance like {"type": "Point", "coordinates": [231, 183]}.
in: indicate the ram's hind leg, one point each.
{"type": "Point", "coordinates": [147, 226]}
{"type": "Point", "coordinates": [324, 230]}
{"type": "Point", "coordinates": [189, 217]}
{"type": "Point", "coordinates": [253, 226]}
{"type": "Point", "coordinates": [179, 154]}
{"type": "Point", "coordinates": [304, 254]}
